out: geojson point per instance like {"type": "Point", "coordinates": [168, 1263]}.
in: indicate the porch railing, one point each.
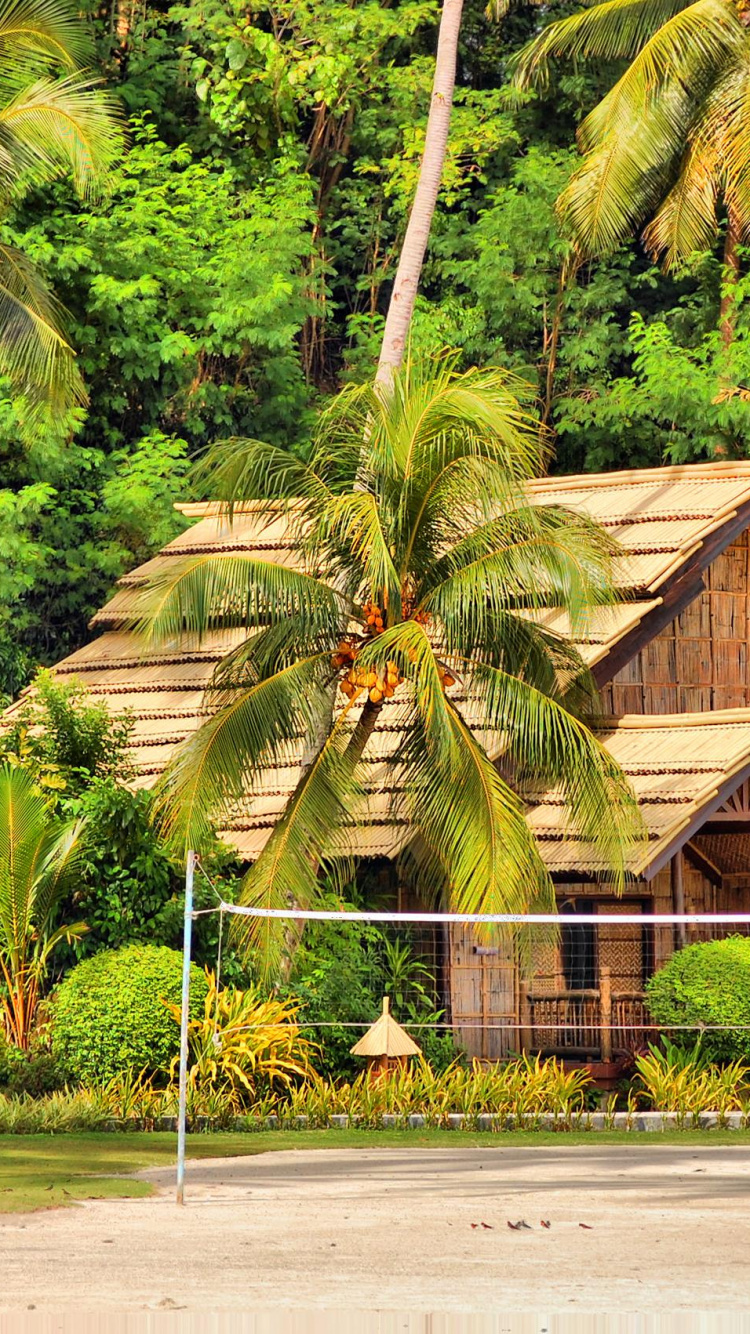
{"type": "Point", "coordinates": [599, 1019]}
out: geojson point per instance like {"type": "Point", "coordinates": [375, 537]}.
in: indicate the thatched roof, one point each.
{"type": "Point", "coordinates": [385, 1038]}
{"type": "Point", "coordinates": [682, 766]}
{"type": "Point", "coordinates": [667, 519]}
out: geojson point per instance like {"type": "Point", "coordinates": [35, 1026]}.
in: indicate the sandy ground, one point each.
{"type": "Point", "coordinates": [668, 1232]}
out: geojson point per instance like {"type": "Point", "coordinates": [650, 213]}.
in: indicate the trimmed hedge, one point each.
{"type": "Point", "coordinates": [706, 984]}
{"type": "Point", "coordinates": [109, 1014]}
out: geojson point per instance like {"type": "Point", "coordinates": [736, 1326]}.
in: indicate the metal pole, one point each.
{"type": "Point", "coordinates": [182, 1109]}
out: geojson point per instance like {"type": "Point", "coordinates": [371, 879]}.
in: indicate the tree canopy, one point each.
{"type": "Point", "coordinates": [236, 271]}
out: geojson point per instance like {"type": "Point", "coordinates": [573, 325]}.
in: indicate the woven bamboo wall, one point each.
{"type": "Point", "coordinates": [620, 947]}
{"type": "Point", "coordinates": [700, 661]}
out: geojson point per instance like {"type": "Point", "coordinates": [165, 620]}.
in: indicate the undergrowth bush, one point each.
{"type": "Point", "coordinates": [668, 1079]}
{"type": "Point", "coordinates": [706, 984]}
{"type": "Point", "coordinates": [112, 1012]}
{"type": "Point", "coordinates": [671, 1078]}
{"type": "Point", "coordinates": [527, 1087]}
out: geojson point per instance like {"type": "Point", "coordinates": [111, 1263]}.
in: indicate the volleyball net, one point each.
{"type": "Point", "coordinates": [571, 983]}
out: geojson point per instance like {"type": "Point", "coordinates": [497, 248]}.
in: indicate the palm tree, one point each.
{"type": "Point", "coordinates": [670, 139]}
{"type": "Point", "coordinates": [53, 121]}
{"type": "Point", "coordinates": [37, 859]}
{"type": "Point", "coordinates": [427, 571]}
{"type": "Point", "coordinates": [406, 282]}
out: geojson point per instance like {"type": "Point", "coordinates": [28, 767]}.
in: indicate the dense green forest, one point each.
{"type": "Point", "coordinates": [237, 269]}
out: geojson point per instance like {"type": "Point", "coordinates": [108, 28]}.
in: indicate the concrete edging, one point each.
{"type": "Point", "coordinates": [631, 1122]}
{"type": "Point", "coordinates": [634, 1122]}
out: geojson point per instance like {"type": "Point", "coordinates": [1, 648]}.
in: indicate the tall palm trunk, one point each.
{"type": "Point", "coordinates": [730, 276]}
{"type": "Point", "coordinates": [417, 235]}
{"type": "Point", "coordinates": [729, 279]}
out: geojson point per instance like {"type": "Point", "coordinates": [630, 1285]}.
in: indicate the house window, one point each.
{"type": "Point", "coordinates": [578, 943]}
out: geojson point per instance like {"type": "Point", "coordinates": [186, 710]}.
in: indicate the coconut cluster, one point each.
{"type": "Point", "coordinates": [361, 678]}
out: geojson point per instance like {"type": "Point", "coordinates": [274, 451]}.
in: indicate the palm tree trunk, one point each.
{"type": "Point", "coordinates": [363, 730]}
{"type": "Point", "coordinates": [730, 278]}
{"type": "Point", "coordinates": [568, 271]}
{"type": "Point", "coordinates": [406, 282]}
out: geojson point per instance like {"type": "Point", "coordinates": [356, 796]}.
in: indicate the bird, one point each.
{"type": "Point", "coordinates": [546, 1223]}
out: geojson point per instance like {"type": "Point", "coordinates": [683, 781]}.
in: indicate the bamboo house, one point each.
{"type": "Point", "coordinates": [671, 660]}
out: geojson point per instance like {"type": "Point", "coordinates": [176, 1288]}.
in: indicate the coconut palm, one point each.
{"type": "Point", "coordinates": [53, 122]}
{"type": "Point", "coordinates": [427, 571]}
{"type": "Point", "coordinates": [37, 859]}
{"type": "Point", "coordinates": [670, 140]}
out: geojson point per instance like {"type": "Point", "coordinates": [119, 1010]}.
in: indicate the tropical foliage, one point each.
{"type": "Point", "coordinates": [705, 987]}
{"type": "Point", "coordinates": [37, 861]}
{"type": "Point", "coordinates": [669, 140]}
{"type": "Point", "coordinates": [683, 1080]}
{"type": "Point", "coordinates": [237, 270]}
{"type": "Point", "coordinates": [426, 569]}
{"type": "Point", "coordinates": [54, 120]}
{"type": "Point", "coordinates": [522, 1088]}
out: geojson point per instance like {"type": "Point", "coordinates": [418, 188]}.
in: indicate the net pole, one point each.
{"type": "Point", "coordinates": [186, 950]}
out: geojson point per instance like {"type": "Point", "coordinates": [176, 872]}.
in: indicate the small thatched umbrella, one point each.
{"type": "Point", "coordinates": [386, 1044]}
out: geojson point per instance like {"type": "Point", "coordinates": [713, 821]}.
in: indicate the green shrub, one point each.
{"type": "Point", "coordinates": [706, 984]}
{"type": "Point", "coordinates": [111, 1013]}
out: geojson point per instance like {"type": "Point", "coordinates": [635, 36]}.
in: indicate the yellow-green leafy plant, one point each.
{"type": "Point", "coordinates": [672, 1079]}
{"type": "Point", "coordinates": [247, 1043]}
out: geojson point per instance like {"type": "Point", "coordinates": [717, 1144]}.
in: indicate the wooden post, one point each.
{"type": "Point", "coordinates": [526, 1035]}
{"type": "Point", "coordinates": [605, 1009]}
{"type": "Point", "coordinates": [678, 898]}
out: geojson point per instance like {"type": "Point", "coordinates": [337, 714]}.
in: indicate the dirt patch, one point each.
{"type": "Point", "coordinates": [667, 1229]}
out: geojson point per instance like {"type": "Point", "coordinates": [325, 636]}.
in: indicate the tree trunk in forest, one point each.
{"type": "Point", "coordinates": [729, 279]}
{"type": "Point", "coordinates": [568, 271]}
{"type": "Point", "coordinates": [406, 282]}
{"type": "Point", "coordinates": [730, 275]}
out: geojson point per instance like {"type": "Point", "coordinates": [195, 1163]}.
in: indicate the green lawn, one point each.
{"type": "Point", "coordinates": [42, 1171]}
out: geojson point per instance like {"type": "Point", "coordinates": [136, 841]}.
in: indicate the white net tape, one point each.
{"type": "Point", "coordinates": [481, 919]}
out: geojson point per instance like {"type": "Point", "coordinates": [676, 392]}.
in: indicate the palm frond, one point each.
{"type": "Point", "coordinates": [50, 29]}
{"type": "Point", "coordinates": [256, 725]}
{"type": "Point", "coordinates": [547, 745]}
{"type": "Point", "coordinates": [269, 650]}
{"type": "Point", "coordinates": [58, 125]}
{"type": "Point", "coordinates": [464, 811]}
{"type": "Point", "coordinates": [542, 559]}
{"type": "Point", "coordinates": [613, 30]}
{"type": "Point", "coordinates": [38, 855]}
{"type": "Point", "coordinates": [473, 822]}
{"type": "Point", "coordinates": [209, 591]}
{"type": "Point", "coordinates": [724, 134]}
{"type": "Point", "coordinates": [288, 869]}
{"type": "Point", "coordinates": [627, 172]}
{"type": "Point", "coordinates": [34, 353]}
{"type": "Point", "coordinates": [686, 221]}
{"type": "Point", "coordinates": [240, 470]}
{"type": "Point", "coordinates": [352, 523]}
